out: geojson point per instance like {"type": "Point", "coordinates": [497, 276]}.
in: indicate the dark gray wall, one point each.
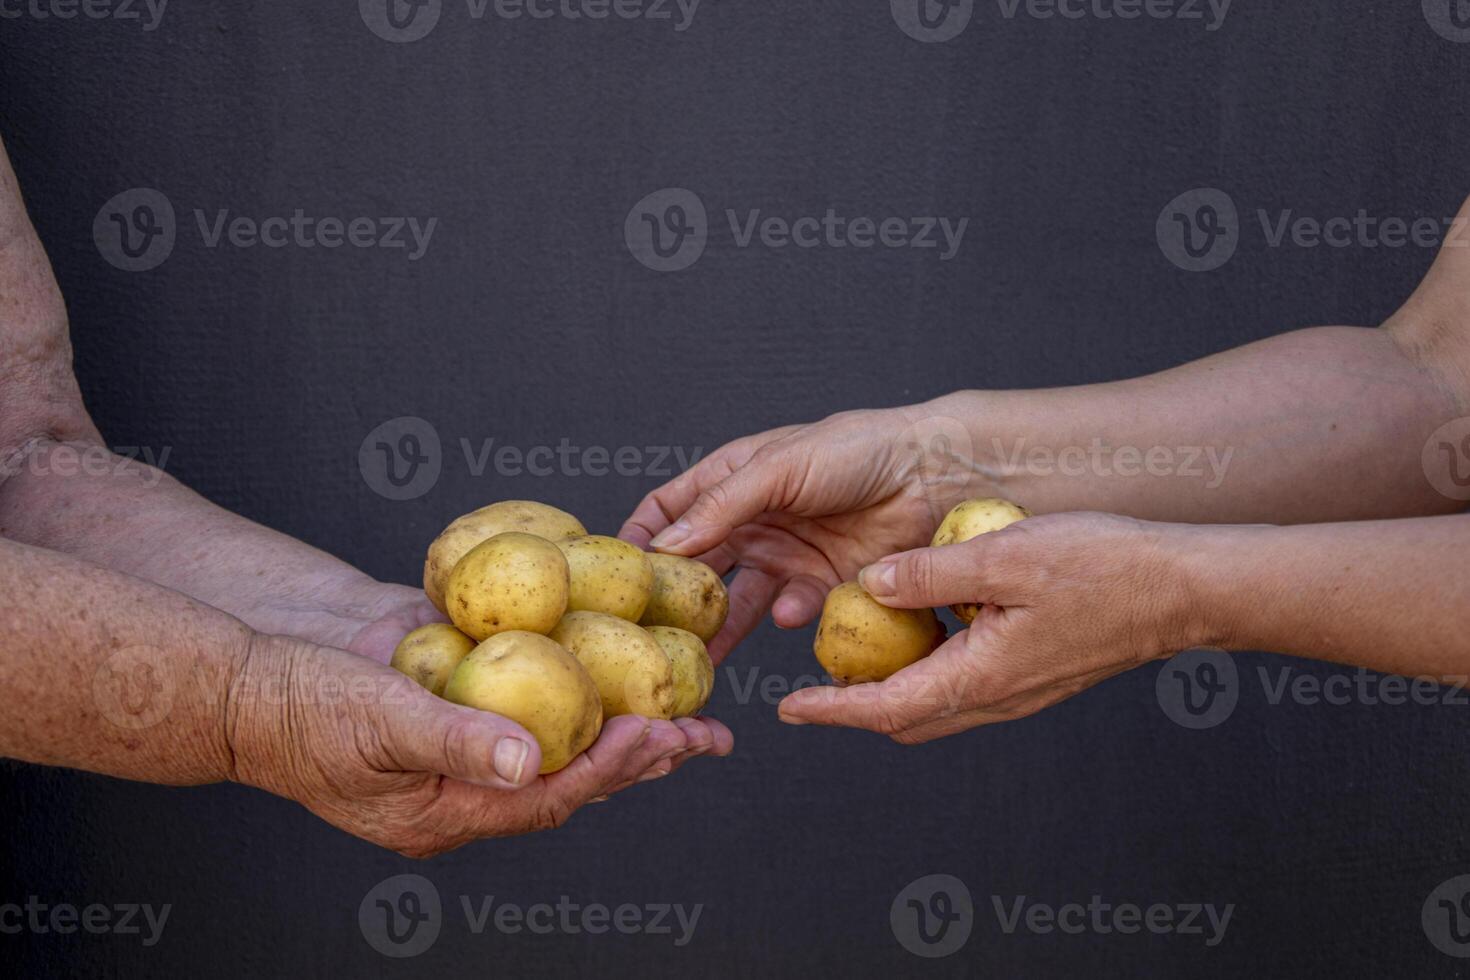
{"type": "Point", "coordinates": [528, 320]}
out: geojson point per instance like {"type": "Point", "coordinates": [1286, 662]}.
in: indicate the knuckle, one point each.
{"type": "Point", "coordinates": [888, 720]}
{"type": "Point", "coordinates": [713, 500]}
{"type": "Point", "coordinates": [550, 814]}
{"type": "Point", "coordinates": [455, 748]}
{"type": "Point", "coordinates": [916, 576]}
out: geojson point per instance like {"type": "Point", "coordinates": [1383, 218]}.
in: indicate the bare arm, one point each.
{"type": "Point", "coordinates": [1324, 424]}
{"type": "Point", "coordinates": [1319, 425]}
{"type": "Point", "coordinates": [61, 489]}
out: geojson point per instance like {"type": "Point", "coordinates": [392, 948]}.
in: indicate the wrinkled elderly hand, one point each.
{"type": "Point", "coordinates": [369, 751]}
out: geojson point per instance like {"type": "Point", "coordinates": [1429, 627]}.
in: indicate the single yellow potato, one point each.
{"type": "Point", "coordinates": [534, 682]}
{"type": "Point", "coordinates": [464, 533]}
{"type": "Point", "coordinates": [632, 673]}
{"type": "Point", "coordinates": [608, 576]}
{"type": "Point", "coordinates": [429, 655]}
{"type": "Point", "coordinates": [513, 581]}
{"type": "Point", "coordinates": [686, 594]}
{"type": "Point", "coordinates": [970, 520]}
{"type": "Point", "coordinates": [859, 639]}
{"type": "Point", "coordinates": [694, 672]}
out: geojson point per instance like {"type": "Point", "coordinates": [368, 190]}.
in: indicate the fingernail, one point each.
{"type": "Point", "coordinates": [880, 579]}
{"type": "Point", "coordinates": [598, 799]}
{"type": "Point", "coordinates": [672, 535]}
{"type": "Point", "coordinates": [510, 759]}
{"type": "Point", "coordinates": [648, 777]}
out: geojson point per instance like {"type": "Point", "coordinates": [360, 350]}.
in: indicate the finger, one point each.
{"type": "Point", "coordinates": [937, 686]}
{"type": "Point", "coordinates": [799, 602]}
{"type": "Point", "coordinates": [662, 506]}
{"type": "Point", "coordinates": [972, 571]}
{"type": "Point", "coordinates": [665, 741]}
{"type": "Point", "coordinates": [750, 596]}
{"type": "Point", "coordinates": [422, 733]}
{"type": "Point", "coordinates": [753, 489]}
{"type": "Point", "coordinates": [468, 813]}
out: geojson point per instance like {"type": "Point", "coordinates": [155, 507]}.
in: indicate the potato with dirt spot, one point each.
{"type": "Point", "coordinates": [694, 672]}
{"type": "Point", "coordinates": [538, 685]}
{"type": "Point", "coordinates": [513, 581]}
{"type": "Point", "coordinates": [861, 640]}
{"type": "Point", "coordinates": [465, 532]}
{"type": "Point", "coordinates": [632, 673]}
{"type": "Point", "coordinates": [687, 594]}
{"type": "Point", "coordinates": [430, 654]}
{"type": "Point", "coordinates": [970, 520]}
{"type": "Point", "coordinates": [608, 576]}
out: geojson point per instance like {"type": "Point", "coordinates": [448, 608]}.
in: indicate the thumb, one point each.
{"type": "Point", "coordinates": [739, 498]}
{"type": "Point", "coordinates": [423, 733]}
{"type": "Point", "coordinates": [928, 577]}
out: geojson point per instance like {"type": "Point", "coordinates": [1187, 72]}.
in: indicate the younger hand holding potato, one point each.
{"type": "Point", "coordinates": [1068, 601]}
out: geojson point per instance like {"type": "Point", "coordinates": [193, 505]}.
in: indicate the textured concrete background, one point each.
{"type": "Point", "coordinates": [528, 321]}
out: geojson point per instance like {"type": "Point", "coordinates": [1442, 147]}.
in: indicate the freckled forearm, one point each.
{"type": "Point", "coordinates": [83, 501]}
{"type": "Point", "coordinates": [102, 672]}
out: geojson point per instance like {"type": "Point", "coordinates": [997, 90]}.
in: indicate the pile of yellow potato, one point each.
{"type": "Point", "coordinates": [861, 640]}
{"type": "Point", "coordinates": [558, 629]}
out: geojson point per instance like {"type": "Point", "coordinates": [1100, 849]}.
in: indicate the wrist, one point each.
{"type": "Point", "coordinates": [956, 432]}
{"type": "Point", "coordinates": [1201, 561]}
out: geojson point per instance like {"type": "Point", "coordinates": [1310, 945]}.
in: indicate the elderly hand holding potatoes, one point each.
{"type": "Point", "coordinates": [152, 635]}
{"type": "Point", "coordinates": [573, 629]}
